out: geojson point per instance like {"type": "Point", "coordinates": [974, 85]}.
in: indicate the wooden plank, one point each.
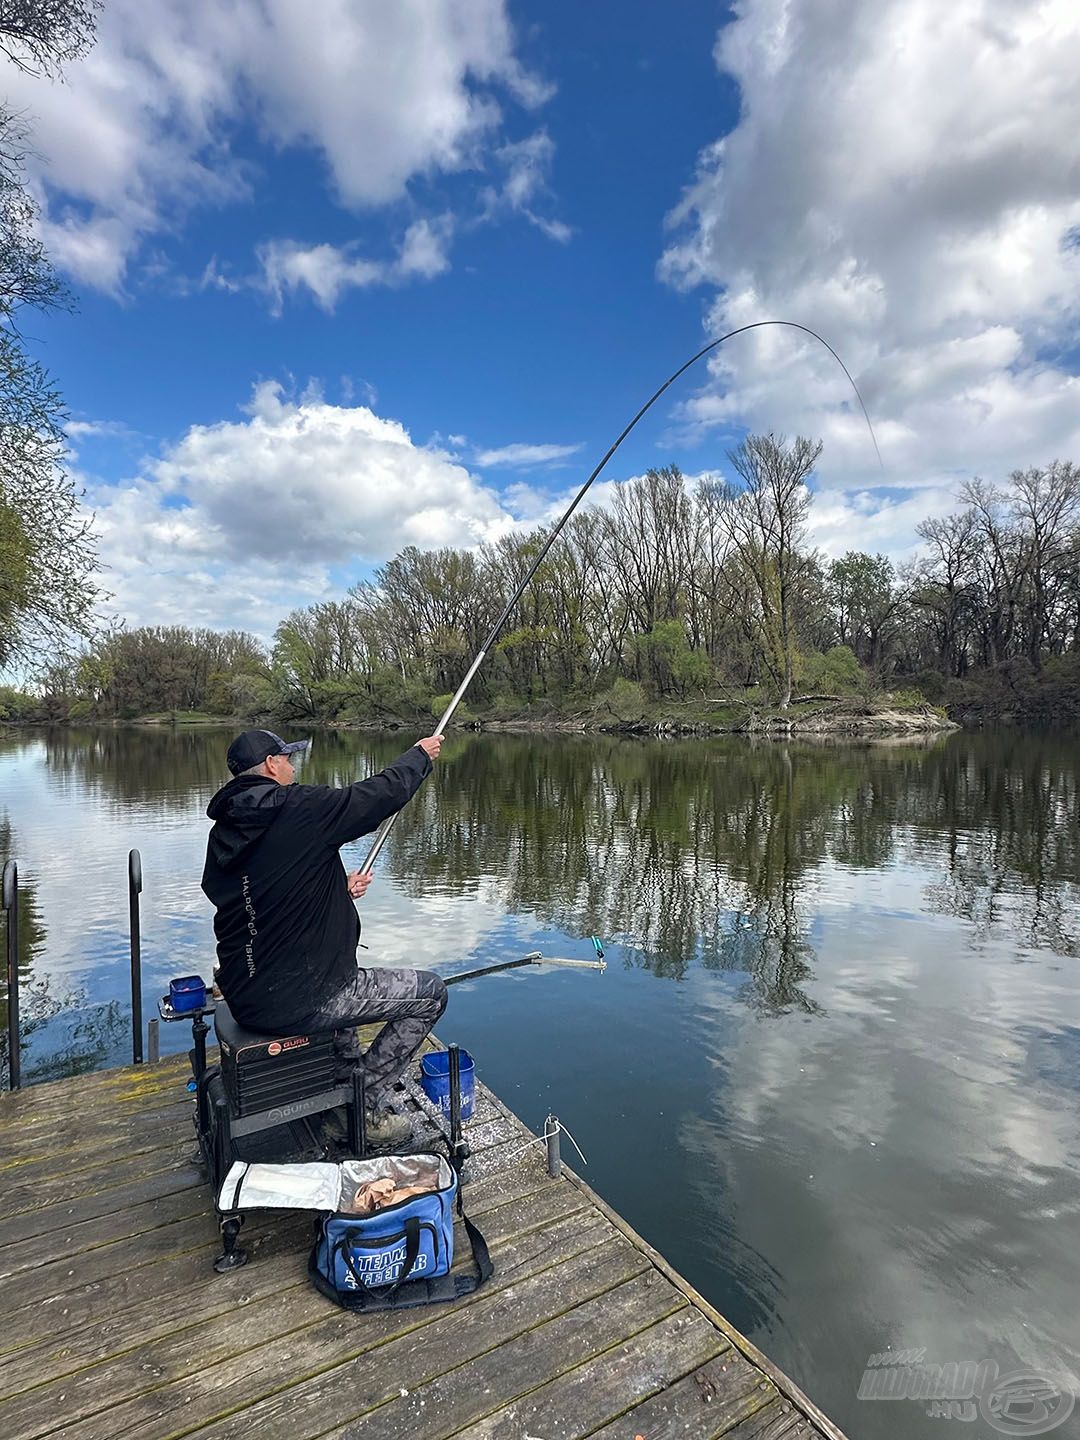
{"type": "Point", "coordinates": [706, 1403]}
{"type": "Point", "coordinates": [122, 1301]}
{"type": "Point", "coordinates": [461, 1396]}
{"type": "Point", "coordinates": [777, 1421]}
{"type": "Point", "coordinates": [127, 1089]}
{"type": "Point", "coordinates": [33, 1182]}
{"type": "Point", "coordinates": [187, 1356]}
{"type": "Point", "coordinates": [129, 1085]}
{"type": "Point", "coordinates": [350, 1362]}
{"type": "Point", "coordinates": [69, 1243]}
{"type": "Point", "coordinates": [503, 1186]}
{"type": "Point", "coordinates": [80, 1201]}
{"type": "Point", "coordinates": [512, 1150]}
{"type": "Point", "coordinates": [783, 1383]}
{"type": "Point", "coordinates": [151, 1322]}
{"type": "Point", "coordinates": [575, 1403]}
{"type": "Point", "coordinates": [492, 1132]}
{"type": "Point", "coordinates": [91, 1309]}
{"type": "Point", "coordinates": [52, 1282]}
{"type": "Point", "coordinates": [30, 1186]}
{"type": "Point", "coordinates": [118, 1326]}
{"type": "Point", "coordinates": [109, 1131]}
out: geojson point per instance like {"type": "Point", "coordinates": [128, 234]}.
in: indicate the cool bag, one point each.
{"type": "Point", "coordinates": [400, 1255]}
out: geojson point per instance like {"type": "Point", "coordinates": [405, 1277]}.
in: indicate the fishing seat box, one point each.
{"type": "Point", "coordinates": [271, 1072]}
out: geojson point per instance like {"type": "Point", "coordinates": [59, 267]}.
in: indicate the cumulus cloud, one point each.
{"type": "Point", "coordinates": [904, 178]}
{"type": "Point", "coordinates": [142, 130]}
{"type": "Point", "coordinates": [240, 521]}
{"type": "Point", "coordinates": [525, 457]}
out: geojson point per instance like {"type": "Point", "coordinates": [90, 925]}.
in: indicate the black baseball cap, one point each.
{"type": "Point", "coordinates": [253, 747]}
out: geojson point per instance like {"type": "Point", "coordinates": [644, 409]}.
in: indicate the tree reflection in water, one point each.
{"type": "Point", "coordinates": [707, 851]}
{"type": "Point", "coordinates": [712, 851]}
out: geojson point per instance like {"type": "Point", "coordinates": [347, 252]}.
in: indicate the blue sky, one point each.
{"type": "Point", "coordinates": [523, 338]}
{"type": "Point", "coordinates": [355, 276]}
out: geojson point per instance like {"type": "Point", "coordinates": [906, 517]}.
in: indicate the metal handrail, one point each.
{"type": "Point", "coordinates": [135, 885]}
{"type": "Point", "coordinates": [11, 907]}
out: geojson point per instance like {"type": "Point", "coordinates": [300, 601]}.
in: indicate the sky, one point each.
{"type": "Point", "coordinates": [356, 276]}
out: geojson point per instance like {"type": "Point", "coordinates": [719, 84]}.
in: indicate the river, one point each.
{"type": "Point", "coordinates": [832, 1071]}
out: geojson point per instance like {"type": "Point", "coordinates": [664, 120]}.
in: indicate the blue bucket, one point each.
{"type": "Point", "coordinates": [435, 1079]}
{"type": "Point", "coordinates": [187, 993]}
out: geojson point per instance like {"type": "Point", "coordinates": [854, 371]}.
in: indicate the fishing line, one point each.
{"type": "Point", "coordinates": [388, 824]}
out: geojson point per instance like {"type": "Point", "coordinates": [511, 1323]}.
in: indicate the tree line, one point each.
{"type": "Point", "coordinates": [678, 594]}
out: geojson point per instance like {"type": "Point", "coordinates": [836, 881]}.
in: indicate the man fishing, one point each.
{"type": "Point", "coordinates": [286, 927]}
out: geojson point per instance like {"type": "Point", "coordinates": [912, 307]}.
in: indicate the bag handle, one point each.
{"type": "Point", "coordinates": [416, 1292]}
{"type": "Point", "coordinates": [412, 1250]}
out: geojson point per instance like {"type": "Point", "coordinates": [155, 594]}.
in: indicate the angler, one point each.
{"type": "Point", "coordinates": [286, 928]}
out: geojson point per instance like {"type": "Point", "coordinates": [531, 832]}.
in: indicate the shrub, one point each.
{"type": "Point", "coordinates": [837, 672]}
{"type": "Point", "coordinates": [626, 700]}
{"type": "Point", "coordinates": [461, 715]}
{"type": "Point", "coordinates": [16, 706]}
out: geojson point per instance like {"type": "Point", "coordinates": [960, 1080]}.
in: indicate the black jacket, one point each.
{"type": "Point", "coordinates": [286, 927]}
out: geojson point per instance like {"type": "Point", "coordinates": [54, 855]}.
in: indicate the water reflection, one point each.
{"type": "Point", "coordinates": [710, 851]}
{"type": "Point", "coordinates": [159, 766]}
{"type": "Point", "coordinates": [832, 1071]}
{"type": "Point", "coordinates": [61, 1032]}
{"type": "Point", "coordinates": [685, 852]}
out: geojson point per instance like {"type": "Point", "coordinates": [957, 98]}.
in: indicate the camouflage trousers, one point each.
{"type": "Point", "coordinates": [409, 1001]}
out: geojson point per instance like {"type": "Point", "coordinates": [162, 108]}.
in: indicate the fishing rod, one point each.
{"type": "Point", "coordinates": [534, 957]}
{"type": "Point", "coordinates": [444, 720]}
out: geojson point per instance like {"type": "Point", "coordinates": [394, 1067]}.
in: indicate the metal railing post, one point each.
{"type": "Point", "coordinates": [551, 1135]}
{"type": "Point", "coordinates": [135, 883]}
{"type": "Point", "coordinates": [11, 906]}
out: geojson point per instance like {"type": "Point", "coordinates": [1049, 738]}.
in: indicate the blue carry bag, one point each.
{"type": "Point", "coordinates": [400, 1255]}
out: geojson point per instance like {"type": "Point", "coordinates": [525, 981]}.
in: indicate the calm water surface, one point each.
{"type": "Point", "coordinates": [831, 1072]}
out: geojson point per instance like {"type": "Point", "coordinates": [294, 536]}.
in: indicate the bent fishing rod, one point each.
{"type": "Point", "coordinates": [444, 720]}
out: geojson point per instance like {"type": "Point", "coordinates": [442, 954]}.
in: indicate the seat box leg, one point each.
{"type": "Point", "coordinates": [233, 1255]}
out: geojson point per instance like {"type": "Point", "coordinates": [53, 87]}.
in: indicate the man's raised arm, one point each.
{"type": "Point", "coordinates": [361, 808]}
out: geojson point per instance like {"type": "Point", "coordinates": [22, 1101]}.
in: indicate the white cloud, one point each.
{"type": "Point", "coordinates": [241, 521]}
{"type": "Point", "coordinates": [327, 271]}
{"type": "Point", "coordinates": [526, 166]}
{"type": "Point", "coordinates": [903, 178]}
{"type": "Point", "coordinates": [524, 457]}
{"type": "Point", "coordinates": [141, 130]}
{"type": "Point", "coordinates": [94, 429]}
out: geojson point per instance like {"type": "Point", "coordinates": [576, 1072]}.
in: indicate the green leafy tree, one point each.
{"type": "Point", "coordinates": [769, 524]}
{"type": "Point", "coordinates": [48, 561]}
{"type": "Point", "coordinates": [865, 605]}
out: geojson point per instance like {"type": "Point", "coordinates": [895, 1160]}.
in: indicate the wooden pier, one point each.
{"type": "Point", "coordinates": [115, 1326]}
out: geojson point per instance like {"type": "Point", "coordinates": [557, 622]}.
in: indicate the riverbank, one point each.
{"type": "Point", "coordinates": [845, 719]}
{"type": "Point", "coordinates": [841, 717]}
